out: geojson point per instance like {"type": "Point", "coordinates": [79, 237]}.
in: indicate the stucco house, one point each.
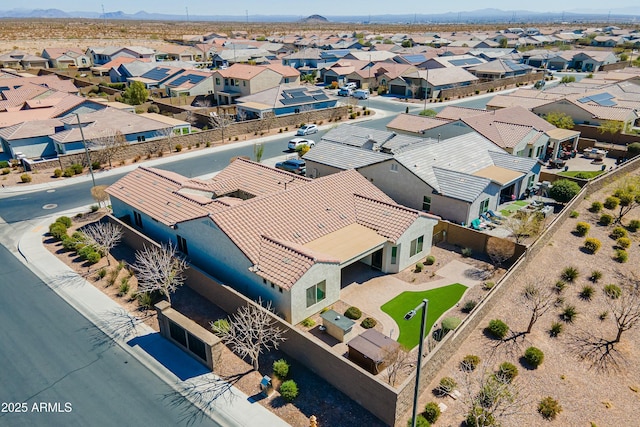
{"type": "Point", "coordinates": [457, 178]}
{"type": "Point", "coordinates": [242, 80]}
{"type": "Point", "coordinates": [273, 235]}
{"type": "Point", "coordinates": [66, 57]}
{"type": "Point", "coordinates": [586, 111]}
{"type": "Point", "coordinates": [285, 99]}
{"type": "Point", "coordinates": [22, 60]}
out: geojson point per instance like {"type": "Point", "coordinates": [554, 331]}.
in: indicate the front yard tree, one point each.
{"type": "Point", "coordinates": [110, 143]}
{"type": "Point", "coordinates": [159, 269]}
{"type": "Point", "coordinates": [560, 120]}
{"type": "Point", "coordinates": [221, 122]}
{"type": "Point", "coordinates": [104, 236]}
{"type": "Point", "coordinates": [135, 94]}
{"type": "Point", "coordinates": [563, 190]}
{"type": "Point", "coordinates": [251, 331]}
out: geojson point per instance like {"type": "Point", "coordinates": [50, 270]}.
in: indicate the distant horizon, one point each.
{"type": "Point", "coordinates": [329, 8]}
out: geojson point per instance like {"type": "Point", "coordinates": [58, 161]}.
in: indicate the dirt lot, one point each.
{"type": "Point", "coordinates": [586, 394]}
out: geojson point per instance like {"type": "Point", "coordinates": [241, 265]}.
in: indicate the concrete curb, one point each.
{"type": "Point", "coordinates": [234, 408]}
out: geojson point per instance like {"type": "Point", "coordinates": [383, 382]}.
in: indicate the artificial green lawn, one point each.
{"type": "Point", "coordinates": [588, 174]}
{"type": "Point", "coordinates": [513, 206]}
{"type": "Point", "coordinates": [440, 300]}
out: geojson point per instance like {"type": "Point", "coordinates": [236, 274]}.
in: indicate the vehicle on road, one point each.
{"type": "Point", "coordinates": [307, 129]}
{"type": "Point", "coordinates": [345, 91]}
{"type": "Point", "coordinates": [297, 166]}
{"type": "Point", "coordinates": [299, 142]}
{"type": "Point", "coordinates": [361, 94]}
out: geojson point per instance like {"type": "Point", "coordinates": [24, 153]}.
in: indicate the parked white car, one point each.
{"type": "Point", "coordinates": [351, 85]}
{"type": "Point", "coordinates": [307, 129]}
{"type": "Point", "coordinates": [361, 94]}
{"type": "Point", "coordinates": [345, 91]}
{"type": "Point", "coordinates": [298, 142]}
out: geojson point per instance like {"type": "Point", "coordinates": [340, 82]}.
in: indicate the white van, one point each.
{"type": "Point", "coordinates": [361, 94]}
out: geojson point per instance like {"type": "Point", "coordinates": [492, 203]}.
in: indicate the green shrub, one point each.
{"type": "Point", "coordinates": [618, 232]}
{"type": "Point", "coordinates": [549, 408]}
{"type": "Point", "coordinates": [68, 243]}
{"type": "Point", "coordinates": [469, 306]}
{"type": "Point", "coordinates": [587, 292]}
{"type": "Point", "coordinates": [623, 242]}
{"type": "Point", "coordinates": [556, 329]}
{"type": "Point", "coordinates": [603, 315]}
{"type": "Point", "coordinates": [308, 323]}
{"type": "Point", "coordinates": [281, 368]}
{"type": "Point", "coordinates": [534, 356]}
{"type": "Point", "coordinates": [124, 288]}
{"type": "Point", "coordinates": [498, 328]}
{"type": "Point", "coordinates": [564, 190]}
{"type": "Point", "coordinates": [611, 202]}
{"type": "Point", "coordinates": [178, 148]}
{"type": "Point", "coordinates": [447, 385]}
{"type": "Point", "coordinates": [421, 421]}
{"type": "Point", "coordinates": [25, 177]}
{"type": "Point", "coordinates": [450, 323]}
{"type": "Point", "coordinates": [419, 267]}
{"type": "Point", "coordinates": [353, 313]}
{"type": "Point", "coordinates": [68, 172]}
{"type": "Point", "coordinates": [6, 171]}
{"type": "Point", "coordinates": [467, 252]}
{"type": "Point", "coordinates": [633, 149]}
{"type": "Point", "coordinates": [569, 274]}
{"type": "Point", "coordinates": [66, 221]}
{"type": "Point", "coordinates": [4, 164]}
{"type": "Point", "coordinates": [559, 286]}
{"type": "Point", "coordinates": [612, 291]}
{"type": "Point", "coordinates": [77, 168]}
{"type": "Point", "coordinates": [470, 362]}
{"type": "Point", "coordinates": [289, 390]}
{"type": "Point", "coordinates": [94, 208]}
{"type": "Point", "coordinates": [488, 285]}
{"type": "Point", "coordinates": [595, 276]}
{"type": "Point", "coordinates": [57, 230]}
{"type": "Point", "coordinates": [220, 326]}
{"type": "Point", "coordinates": [634, 225]}
{"type": "Point", "coordinates": [101, 273]}
{"type": "Point", "coordinates": [368, 323]}
{"type": "Point", "coordinates": [57, 173]}
{"type": "Point", "coordinates": [591, 244]}
{"type": "Point", "coordinates": [569, 313]}
{"type": "Point", "coordinates": [84, 251]}
{"type": "Point", "coordinates": [480, 417]}
{"type": "Point", "coordinates": [430, 260]}
{"type": "Point", "coordinates": [431, 412]}
{"type": "Point", "coordinates": [582, 228]}
{"type": "Point", "coordinates": [574, 214]}
{"type": "Point", "coordinates": [621, 256]}
{"type": "Point", "coordinates": [507, 372]}
{"type": "Point", "coordinates": [595, 207]}
{"type": "Point", "coordinates": [95, 165]}
{"type": "Point", "coordinates": [606, 219]}
{"type": "Point", "coordinates": [583, 175]}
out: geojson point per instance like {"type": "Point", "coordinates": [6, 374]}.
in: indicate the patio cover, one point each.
{"type": "Point", "coordinates": [562, 134]}
{"type": "Point", "coordinates": [349, 243]}
{"type": "Point", "coordinates": [501, 176]}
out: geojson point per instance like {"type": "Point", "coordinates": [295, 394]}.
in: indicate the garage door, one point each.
{"type": "Point", "coordinates": [330, 79]}
{"type": "Point", "coordinates": [397, 90]}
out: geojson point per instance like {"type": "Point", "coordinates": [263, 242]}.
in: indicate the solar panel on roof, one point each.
{"type": "Point", "coordinates": [156, 74]}
{"type": "Point", "coordinates": [289, 101]}
{"type": "Point", "coordinates": [320, 97]}
{"type": "Point", "coordinates": [607, 103]}
{"type": "Point", "coordinates": [604, 99]}
{"type": "Point", "coordinates": [302, 99]}
{"type": "Point", "coordinates": [414, 58]}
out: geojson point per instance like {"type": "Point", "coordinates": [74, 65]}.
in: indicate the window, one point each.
{"type": "Point", "coordinates": [137, 218]}
{"type": "Point", "coordinates": [182, 245]}
{"type": "Point", "coordinates": [286, 79]}
{"type": "Point", "coordinates": [416, 246]}
{"type": "Point", "coordinates": [226, 82]}
{"type": "Point", "coordinates": [484, 206]}
{"type": "Point", "coordinates": [244, 83]}
{"type": "Point", "coordinates": [217, 81]}
{"type": "Point", "coordinates": [394, 255]}
{"type": "Point", "coordinates": [264, 281]}
{"type": "Point", "coordinates": [426, 203]}
{"type": "Point", "coordinates": [532, 178]}
{"type": "Point", "coordinates": [316, 293]}
{"type": "Point", "coordinates": [141, 138]}
{"type": "Point", "coordinates": [394, 167]}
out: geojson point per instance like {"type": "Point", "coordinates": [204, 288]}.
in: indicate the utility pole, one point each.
{"type": "Point", "coordinates": [187, 9]}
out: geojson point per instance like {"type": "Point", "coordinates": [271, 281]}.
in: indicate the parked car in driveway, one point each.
{"type": "Point", "coordinates": [351, 85]}
{"type": "Point", "coordinates": [298, 142]}
{"type": "Point", "coordinates": [345, 91]}
{"type": "Point", "coordinates": [297, 166]}
{"type": "Point", "coordinates": [307, 130]}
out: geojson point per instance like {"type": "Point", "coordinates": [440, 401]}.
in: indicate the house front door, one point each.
{"type": "Point", "coordinates": [376, 259]}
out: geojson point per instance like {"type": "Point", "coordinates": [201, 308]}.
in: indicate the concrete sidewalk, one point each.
{"type": "Point", "coordinates": [164, 359]}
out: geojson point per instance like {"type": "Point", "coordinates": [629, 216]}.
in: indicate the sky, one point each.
{"type": "Point", "coordinates": [328, 8]}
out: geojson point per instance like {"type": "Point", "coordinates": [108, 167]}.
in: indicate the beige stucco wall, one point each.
{"type": "Point", "coordinates": [316, 274]}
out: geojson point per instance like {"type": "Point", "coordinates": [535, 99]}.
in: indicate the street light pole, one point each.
{"type": "Point", "coordinates": [423, 305]}
{"type": "Point", "coordinates": [86, 150]}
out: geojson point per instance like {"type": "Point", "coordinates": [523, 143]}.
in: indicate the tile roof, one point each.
{"type": "Point", "coordinates": [356, 135]}
{"type": "Point", "coordinates": [459, 185]}
{"type": "Point", "coordinates": [414, 123]}
{"type": "Point", "coordinates": [453, 112]}
{"type": "Point", "coordinates": [344, 156]}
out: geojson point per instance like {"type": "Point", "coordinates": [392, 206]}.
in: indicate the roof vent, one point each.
{"type": "Point", "coordinates": [321, 225]}
{"type": "Point", "coordinates": [286, 260]}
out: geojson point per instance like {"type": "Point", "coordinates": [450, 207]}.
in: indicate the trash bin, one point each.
{"type": "Point", "coordinates": [566, 168]}
{"type": "Point", "coordinates": [603, 167]}
{"type": "Point", "coordinates": [266, 386]}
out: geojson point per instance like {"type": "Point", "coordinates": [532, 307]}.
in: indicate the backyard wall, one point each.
{"type": "Point", "coordinates": [593, 132]}
{"type": "Point", "coordinates": [487, 86]}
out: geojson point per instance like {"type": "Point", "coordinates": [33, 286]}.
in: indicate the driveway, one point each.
{"type": "Point", "coordinates": [370, 294]}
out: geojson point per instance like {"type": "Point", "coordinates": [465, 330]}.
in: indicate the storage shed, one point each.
{"type": "Point", "coordinates": [369, 348]}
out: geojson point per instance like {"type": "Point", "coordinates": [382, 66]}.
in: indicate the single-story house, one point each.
{"type": "Point", "coordinates": [500, 69]}
{"type": "Point", "coordinates": [22, 60]}
{"type": "Point", "coordinates": [273, 235]}
{"type": "Point", "coordinates": [66, 57]}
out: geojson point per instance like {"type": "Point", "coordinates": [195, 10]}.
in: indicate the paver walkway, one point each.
{"type": "Point", "coordinates": [369, 296]}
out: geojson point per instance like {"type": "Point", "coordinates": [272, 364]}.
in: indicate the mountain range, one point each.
{"type": "Point", "coordinates": [629, 14]}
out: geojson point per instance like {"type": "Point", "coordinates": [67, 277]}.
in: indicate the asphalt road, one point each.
{"type": "Point", "coordinates": [51, 354]}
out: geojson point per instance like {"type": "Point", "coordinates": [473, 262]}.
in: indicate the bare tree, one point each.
{"type": "Point", "coordinates": [110, 143]}
{"type": "Point", "coordinates": [523, 225]}
{"type": "Point", "coordinates": [251, 332]}
{"type": "Point", "coordinates": [166, 133]}
{"type": "Point", "coordinates": [487, 400]}
{"type": "Point", "coordinates": [625, 310]}
{"type": "Point", "coordinates": [100, 194]}
{"type": "Point", "coordinates": [160, 269]}
{"type": "Point", "coordinates": [397, 361]}
{"type": "Point", "coordinates": [104, 235]}
{"type": "Point", "coordinates": [268, 119]}
{"type": "Point", "coordinates": [220, 122]}
{"type": "Point", "coordinates": [538, 299]}
{"type": "Point", "coordinates": [499, 250]}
